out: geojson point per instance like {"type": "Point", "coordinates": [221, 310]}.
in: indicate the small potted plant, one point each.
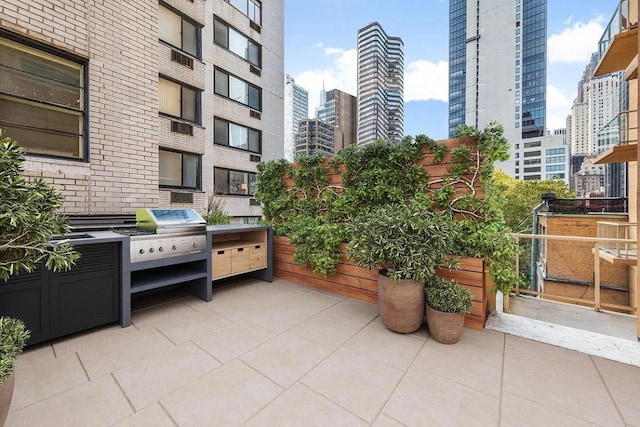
{"type": "Point", "coordinates": [407, 242]}
{"type": "Point", "coordinates": [447, 304]}
{"type": "Point", "coordinates": [13, 337]}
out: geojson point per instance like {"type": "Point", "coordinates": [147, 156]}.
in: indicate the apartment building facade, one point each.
{"type": "Point", "coordinates": [315, 137]}
{"type": "Point", "coordinates": [497, 68]}
{"type": "Point", "coordinates": [123, 105]}
{"type": "Point", "coordinates": [380, 85]}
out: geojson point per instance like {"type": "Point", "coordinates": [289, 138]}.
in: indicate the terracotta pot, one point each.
{"type": "Point", "coordinates": [445, 328]}
{"type": "Point", "coordinates": [6, 393]}
{"type": "Point", "coordinates": [401, 304]}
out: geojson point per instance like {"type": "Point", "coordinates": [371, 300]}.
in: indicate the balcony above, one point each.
{"type": "Point", "coordinates": [618, 253]}
{"type": "Point", "coordinates": [618, 45]}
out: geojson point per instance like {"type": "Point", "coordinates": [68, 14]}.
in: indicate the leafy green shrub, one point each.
{"type": "Point", "coordinates": [13, 337]}
{"type": "Point", "coordinates": [217, 217]}
{"type": "Point", "coordinates": [408, 239]}
{"type": "Point", "coordinates": [29, 219]}
{"type": "Point", "coordinates": [448, 296]}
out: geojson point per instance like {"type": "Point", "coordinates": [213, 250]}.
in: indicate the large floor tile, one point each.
{"type": "Point", "coordinates": [150, 379]}
{"type": "Point", "coordinates": [96, 403]}
{"type": "Point", "coordinates": [520, 412]}
{"type": "Point", "coordinates": [426, 399]}
{"type": "Point", "coordinates": [285, 358]}
{"type": "Point", "coordinates": [563, 380]}
{"type": "Point", "coordinates": [389, 347]}
{"type": "Point", "coordinates": [231, 341]}
{"type": "Point", "coordinates": [327, 330]}
{"type": "Point", "coordinates": [111, 355]}
{"type": "Point", "coordinates": [625, 393]}
{"type": "Point", "coordinates": [385, 421]}
{"type": "Point", "coordinates": [73, 343]}
{"type": "Point", "coordinates": [354, 310]}
{"type": "Point", "coordinates": [160, 313]}
{"type": "Point", "coordinates": [228, 396]}
{"type": "Point", "coordinates": [192, 325]}
{"type": "Point", "coordinates": [38, 382]}
{"type": "Point", "coordinates": [151, 416]}
{"type": "Point", "coordinates": [356, 382]}
{"type": "Point", "coordinates": [300, 406]}
{"type": "Point", "coordinates": [36, 355]}
{"type": "Point", "coordinates": [475, 361]}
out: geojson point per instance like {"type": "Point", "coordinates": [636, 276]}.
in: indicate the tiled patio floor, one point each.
{"type": "Point", "coordinates": [280, 354]}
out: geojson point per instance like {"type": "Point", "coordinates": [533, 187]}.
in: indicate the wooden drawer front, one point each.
{"type": "Point", "coordinates": [258, 256]}
{"type": "Point", "coordinates": [220, 263]}
{"type": "Point", "coordinates": [240, 260]}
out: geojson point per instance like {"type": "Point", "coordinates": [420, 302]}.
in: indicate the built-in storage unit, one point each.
{"type": "Point", "coordinates": [239, 249]}
{"type": "Point", "coordinates": [54, 304]}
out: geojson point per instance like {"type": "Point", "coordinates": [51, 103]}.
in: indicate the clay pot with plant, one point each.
{"type": "Point", "coordinates": [407, 242]}
{"type": "Point", "coordinates": [13, 337]}
{"type": "Point", "coordinates": [447, 304]}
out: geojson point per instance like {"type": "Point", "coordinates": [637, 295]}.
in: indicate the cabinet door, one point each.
{"type": "Point", "coordinates": [240, 260]}
{"type": "Point", "coordinates": [220, 263]}
{"type": "Point", "coordinates": [258, 256]}
{"type": "Point", "coordinates": [26, 297]}
{"type": "Point", "coordinates": [88, 295]}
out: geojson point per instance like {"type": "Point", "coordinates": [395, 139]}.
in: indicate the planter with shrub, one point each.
{"type": "Point", "coordinates": [447, 304]}
{"type": "Point", "coordinates": [13, 337]}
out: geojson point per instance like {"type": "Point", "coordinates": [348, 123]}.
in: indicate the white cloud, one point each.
{"type": "Point", "coordinates": [426, 80]}
{"type": "Point", "coordinates": [575, 44]}
{"type": "Point", "coordinates": [558, 108]}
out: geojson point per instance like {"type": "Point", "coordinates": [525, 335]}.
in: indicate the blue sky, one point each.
{"type": "Point", "coordinates": [320, 45]}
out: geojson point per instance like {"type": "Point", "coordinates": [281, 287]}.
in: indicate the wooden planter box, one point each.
{"type": "Point", "coordinates": [362, 284]}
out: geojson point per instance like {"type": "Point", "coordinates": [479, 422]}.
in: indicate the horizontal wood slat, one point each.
{"type": "Point", "coordinates": [361, 283]}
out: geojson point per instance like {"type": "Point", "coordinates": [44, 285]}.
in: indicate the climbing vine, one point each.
{"type": "Point", "coordinates": [313, 200]}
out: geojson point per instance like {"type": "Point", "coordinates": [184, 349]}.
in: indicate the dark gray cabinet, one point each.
{"type": "Point", "coordinates": [54, 304]}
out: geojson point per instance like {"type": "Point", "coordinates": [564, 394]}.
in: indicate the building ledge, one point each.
{"type": "Point", "coordinates": [618, 154]}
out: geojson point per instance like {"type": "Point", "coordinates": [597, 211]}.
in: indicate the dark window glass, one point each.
{"type": "Point", "coordinates": [179, 170]}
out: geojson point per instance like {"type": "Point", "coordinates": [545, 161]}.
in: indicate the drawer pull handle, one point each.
{"type": "Point", "coordinates": [220, 252]}
{"type": "Point", "coordinates": [240, 249]}
{"type": "Point", "coordinates": [257, 247]}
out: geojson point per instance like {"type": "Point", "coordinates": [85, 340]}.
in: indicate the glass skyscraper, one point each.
{"type": "Point", "coordinates": [497, 69]}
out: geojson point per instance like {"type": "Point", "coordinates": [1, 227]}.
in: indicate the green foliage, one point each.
{"type": "Point", "coordinates": [448, 296]}
{"type": "Point", "coordinates": [29, 219]}
{"type": "Point", "coordinates": [408, 239]}
{"type": "Point", "coordinates": [518, 198]}
{"type": "Point", "coordinates": [217, 217]}
{"type": "Point", "coordinates": [13, 337]}
{"type": "Point", "coordinates": [382, 186]}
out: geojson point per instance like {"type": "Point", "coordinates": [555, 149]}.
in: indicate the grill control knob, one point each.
{"type": "Point", "coordinates": [151, 250]}
{"type": "Point", "coordinates": [173, 248]}
{"type": "Point", "coordinates": [160, 249]}
{"type": "Point", "coordinates": [195, 245]}
{"type": "Point", "coordinates": [141, 251]}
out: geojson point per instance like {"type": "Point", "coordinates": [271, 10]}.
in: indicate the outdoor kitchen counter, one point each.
{"type": "Point", "coordinates": [241, 249]}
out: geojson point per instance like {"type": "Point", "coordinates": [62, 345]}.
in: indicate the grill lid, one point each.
{"type": "Point", "coordinates": [169, 220]}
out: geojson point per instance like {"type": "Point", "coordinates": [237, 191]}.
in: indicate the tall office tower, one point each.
{"type": "Point", "coordinates": [340, 110]}
{"type": "Point", "coordinates": [180, 112]}
{"type": "Point", "coordinates": [497, 69]}
{"type": "Point", "coordinates": [296, 108]}
{"type": "Point", "coordinates": [315, 136]}
{"type": "Point", "coordinates": [380, 85]}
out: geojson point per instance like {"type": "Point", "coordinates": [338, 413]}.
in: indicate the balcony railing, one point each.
{"type": "Point", "coordinates": [622, 129]}
{"type": "Point", "coordinates": [618, 230]}
{"type": "Point", "coordinates": [624, 17]}
{"type": "Point", "coordinates": [585, 206]}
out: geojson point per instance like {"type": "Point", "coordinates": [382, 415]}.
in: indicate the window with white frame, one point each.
{"type": "Point", "coordinates": [178, 31]}
{"type": "Point", "coordinates": [236, 42]}
{"type": "Point", "coordinates": [42, 100]}
{"type": "Point", "coordinates": [179, 100]}
{"type": "Point", "coordinates": [179, 170]}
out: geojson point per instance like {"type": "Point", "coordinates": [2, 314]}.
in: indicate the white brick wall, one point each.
{"type": "Point", "coordinates": [119, 40]}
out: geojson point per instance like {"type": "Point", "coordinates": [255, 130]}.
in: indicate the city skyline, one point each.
{"type": "Point", "coordinates": [572, 35]}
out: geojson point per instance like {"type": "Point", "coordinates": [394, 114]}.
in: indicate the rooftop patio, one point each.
{"type": "Point", "coordinates": [283, 354]}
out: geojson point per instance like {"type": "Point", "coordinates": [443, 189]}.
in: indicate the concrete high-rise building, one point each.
{"type": "Point", "coordinates": [181, 111]}
{"type": "Point", "coordinates": [296, 108]}
{"type": "Point", "coordinates": [340, 110]}
{"type": "Point", "coordinates": [497, 68]}
{"type": "Point", "coordinates": [380, 85]}
{"type": "Point", "coordinates": [547, 157]}
{"type": "Point", "coordinates": [315, 136]}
